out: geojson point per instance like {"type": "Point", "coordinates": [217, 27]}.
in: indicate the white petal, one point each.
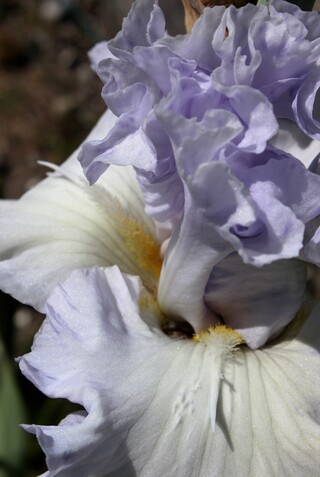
{"type": "Point", "coordinates": [257, 302]}
{"type": "Point", "coordinates": [274, 408]}
{"type": "Point", "coordinates": [63, 224]}
{"type": "Point", "coordinates": [189, 260]}
{"type": "Point", "coordinates": [141, 391]}
{"type": "Point", "coordinates": [292, 140]}
{"type": "Point", "coordinates": [150, 400]}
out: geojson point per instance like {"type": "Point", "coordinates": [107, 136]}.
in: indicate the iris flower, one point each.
{"type": "Point", "coordinates": [174, 284]}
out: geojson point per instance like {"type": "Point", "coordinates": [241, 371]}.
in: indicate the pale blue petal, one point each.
{"type": "Point", "coordinates": [98, 52]}
{"type": "Point", "coordinates": [306, 104]}
{"type": "Point", "coordinates": [144, 25]}
{"type": "Point", "coordinates": [198, 44]}
{"type": "Point", "coordinates": [255, 112]}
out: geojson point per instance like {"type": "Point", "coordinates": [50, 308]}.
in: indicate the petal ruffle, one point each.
{"type": "Point", "coordinates": [124, 145]}
{"type": "Point", "coordinates": [144, 25]}
{"type": "Point", "coordinates": [280, 208]}
{"type": "Point", "coordinates": [306, 104]}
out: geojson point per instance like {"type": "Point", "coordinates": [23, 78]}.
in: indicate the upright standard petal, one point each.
{"type": "Point", "coordinates": [275, 53]}
{"type": "Point", "coordinates": [197, 246]}
{"type": "Point", "coordinates": [148, 68]}
{"type": "Point", "coordinates": [279, 208]}
{"type": "Point", "coordinates": [264, 69]}
{"type": "Point", "coordinates": [235, 201]}
{"type": "Point", "coordinates": [172, 407]}
{"type": "Point", "coordinates": [63, 224]}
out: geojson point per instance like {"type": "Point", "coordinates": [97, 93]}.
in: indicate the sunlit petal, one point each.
{"type": "Point", "coordinates": [172, 407]}
{"type": "Point", "coordinates": [292, 140]}
{"type": "Point", "coordinates": [63, 224]}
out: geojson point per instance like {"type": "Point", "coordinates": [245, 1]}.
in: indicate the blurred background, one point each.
{"type": "Point", "coordinates": [49, 101]}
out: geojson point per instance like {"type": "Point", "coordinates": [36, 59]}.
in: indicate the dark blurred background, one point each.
{"type": "Point", "coordinates": [49, 101]}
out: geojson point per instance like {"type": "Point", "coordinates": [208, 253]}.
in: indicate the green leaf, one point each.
{"type": "Point", "coordinates": [12, 437]}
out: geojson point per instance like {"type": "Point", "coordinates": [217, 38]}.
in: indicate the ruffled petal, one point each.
{"type": "Point", "coordinates": [299, 193]}
{"type": "Point", "coordinates": [144, 25]}
{"type": "Point", "coordinates": [147, 396]}
{"type": "Point", "coordinates": [201, 242]}
{"type": "Point", "coordinates": [99, 52]}
{"type": "Point", "coordinates": [124, 85]}
{"type": "Point", "coordinates": [265, 69]}
{"type": "Point", "coordinates": [309, 19]}
{"type": "Point", "coordinates": [124, 145]}
{"type": "Point", "coordinates": [285, 206]}
{"type": "Point", "coordinates": [163, 194]}
{"type": "Point", "coordinates": [276, 54]}
{"type": "Point", "coordinates": [279, 208]}
{"type": "Point", "coordinates": [255, 112]}
{"type": "Point", "coordinates": [198, 44]}
{"type": "Point", "coordinates": [63, 224]}
{"type": "Point", "coordinates": [250, 208]}
{"type": "Point", "coordinates": [306, 104]}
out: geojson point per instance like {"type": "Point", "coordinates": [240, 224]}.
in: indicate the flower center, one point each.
{"type": "Point", "coordinates": [219, 335]}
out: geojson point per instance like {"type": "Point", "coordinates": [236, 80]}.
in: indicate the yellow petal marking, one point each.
{"type": "Point", "coordinates": [140, 244]}
{"type": "Point", "coordinates": [219, 335]}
